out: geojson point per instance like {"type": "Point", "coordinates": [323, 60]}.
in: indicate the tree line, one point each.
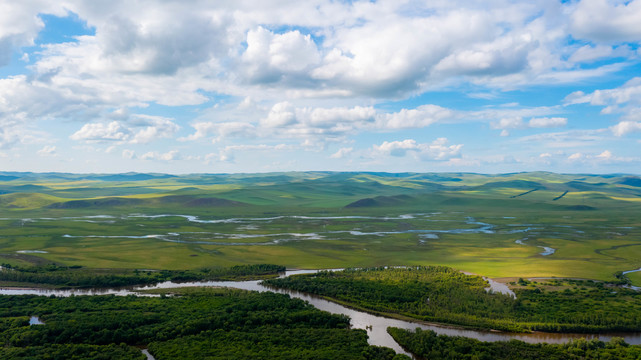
{"type": "Point", "coordinates": [76, 276]}
{"type": "Point", "coordinates": [426, 344]}
{"type": "Point", "coordinates": [442, 294]}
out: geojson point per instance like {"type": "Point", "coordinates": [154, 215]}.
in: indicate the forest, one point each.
{"type": "Point", "coordinates": [75, 276]}
{"type": "Point", "coordinates": [442, 294]}
{"type": "Point", "coordinates": [426, 344]}
{"type": "Point", "coordinates": [196, 323]}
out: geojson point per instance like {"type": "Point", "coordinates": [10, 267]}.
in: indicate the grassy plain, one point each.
{"type": "Point", "coordinates": [327, 220]}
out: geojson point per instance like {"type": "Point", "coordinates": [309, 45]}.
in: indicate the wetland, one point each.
{"type": "Point", "coordinates": [559, 267]}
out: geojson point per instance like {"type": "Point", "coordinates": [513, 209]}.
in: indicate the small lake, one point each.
{"type": "Point", "coordinates": [376, 326]}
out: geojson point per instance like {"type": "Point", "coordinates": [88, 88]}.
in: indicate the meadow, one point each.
{"type": "Point", "coordinates": [501, 226]}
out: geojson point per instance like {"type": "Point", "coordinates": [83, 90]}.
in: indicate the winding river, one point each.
{"type": "Point", "coordinates": [376, 326]}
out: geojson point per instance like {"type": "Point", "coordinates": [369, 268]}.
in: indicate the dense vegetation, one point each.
{"type": "Point", "coordinates": [425, 344]}
{"type": "Point", "coordinates": [201, 323]}
{"type": "Point", "coordinates": [442, 294]}
{"type": "Point", "coordinates": [73, 352]}
{"type": "Point", "coordinates": [78, 277]}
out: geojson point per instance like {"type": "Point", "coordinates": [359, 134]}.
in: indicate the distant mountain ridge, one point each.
{"type": "Point", "coordinates": [353, 191]}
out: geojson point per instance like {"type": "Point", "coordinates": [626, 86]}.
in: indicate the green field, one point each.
{"type": "Point", "coordinates": [470, 222]}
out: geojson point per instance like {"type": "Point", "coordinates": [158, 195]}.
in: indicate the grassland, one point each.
{"type": "Point", "coordinates": [469, 222]}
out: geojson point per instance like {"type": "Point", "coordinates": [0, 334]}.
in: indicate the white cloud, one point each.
{"type": "Point", "coordinates": [141, 129]}
{"type": "Point", "coordinates": [128, 154]}
{"type": "Point", "coordinates": [607, 21]}
{"type": "Point", "coordinates": [628, 92]}
{"type": "Point", "coordinates": [605, 155]}
{"type": "Point", "coordinates": [174, 54]}
{"type": "Point", "coordinates": [422, 116]}
{"type": "Point", "coordinates": [20, 24]}
{"type": "Point", "coordinates": [516, 122]}
{"type": "Point", "coordinates": [113, 131]}
{"type": "Point", "coordinates": [437, 150]}
{"type": "Point", "coordinates": [596, 158]}
{"type": "Point", "coordinates": [591, 53]}
{"type": "Point", "coordinates": [281, 114]}
{"type": "Point", "coordinates": [341, 153]}
{"type": "Point", "coordinates": [625, 100]}
{"type": "Point", "coordinates": [625, 127]}
{"type": "Point", "coordinates": [576, 156]}
{"type": "Point", "coordinates": [220, 130]}
{"type": "Point", "coordinates": [566, 139]}
{"type": "Point", "coordinates": [547, 122]}
{"type": "Point", "coordinates": [47, 150]}
{"type": "Point", "coordinates": [310, 73]}
{"type": "Point", "coordinates": [168, 156]}
{"type": "Point", "coordinates": [153, 128]}
{"type": "Point", "coordinates": [270, 57]}
{"type": "Point", "coordinates": [14, 130]}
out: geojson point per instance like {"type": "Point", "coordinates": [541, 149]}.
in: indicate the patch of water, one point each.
{"type": "Point", "coordinates": [34, 320]}
{"type": "Point", "coordinates": [147, 354]}
{"type": "Point", "coordinates": [483, 228]}
{"type": "Point", "coordinates": [546, 249]}
{"type": "Point", "coordinates": [497, 287]}
{"type": "Point", "coordinates": [630, 271]}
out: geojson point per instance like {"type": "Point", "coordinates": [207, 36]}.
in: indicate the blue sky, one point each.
{"type": "Point", "coordinates": [164, 86]}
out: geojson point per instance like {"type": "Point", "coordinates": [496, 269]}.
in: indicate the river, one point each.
{"type": "Point", "coordinates": [376, 326]}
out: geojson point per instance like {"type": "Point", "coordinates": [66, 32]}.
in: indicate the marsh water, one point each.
{"type": "Point", "coordinates": [376, 326]}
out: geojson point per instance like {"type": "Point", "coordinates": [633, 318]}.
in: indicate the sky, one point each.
{"type": "Point", "coordinates": [175, 86]}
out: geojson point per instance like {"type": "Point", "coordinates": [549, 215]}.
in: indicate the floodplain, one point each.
{"type": "Point", "coordinates": [495, 226]}
{"type": "Point", "coordinates": [566, 247]}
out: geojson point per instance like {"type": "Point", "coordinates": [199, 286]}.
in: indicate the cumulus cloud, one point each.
{"type": "Point", "coordinates": [281, 114]}
{"type": "Point", "coordinates": [576, 156]}
{"type": "Point", "coordinates": [152, 128]}
{"type": "Point", "coordinates": [625, 127]}
{"type": "Point", "coordinates": [321, 124]}
{"type": "Point", "coordinates": [604, 157]}
{"type": "Point", "coordinates": [141, 129]}
{"type": "Point", "coordinates": [591, 53]}
{"type": "Point", "coordinates": [437, 150]}
{"type": "Point", "coordinates": [341, 153]}
{"type": "Point", "coordinates": [113, 131]}
{"type": "Point", "coordinates": [47, 150]}
{"type": "Point", "coordinates": [176, 53]}
{"type": "Point", "coordinates": [422, 116]}
{"type": "Point", "coordinates": [220, 130]}
{"type": "Point", "coordinates": [547, 122]}
{"type": "Point", "coordinates": [168, 156]}
{"type": "Point", "coordinates": [607, 21]}
{"type": "Point", "coordinates": [20, 24]}
{"type": "Point", "coordinates": [517, 122]}
{"type": "Point", "coordinates": [13, 130]}
{"type": "Point", "coordinates": [271, 57]}
{"type": "Point", "coordinates": [625, 100]}
{"type": "Point", "coordinates": [628, 92]}
{"type": "Point", "coordinates": [290, 59]}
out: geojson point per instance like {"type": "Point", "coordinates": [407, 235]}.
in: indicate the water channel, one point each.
{"type": "Point", "coordinates": [376, 326]}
